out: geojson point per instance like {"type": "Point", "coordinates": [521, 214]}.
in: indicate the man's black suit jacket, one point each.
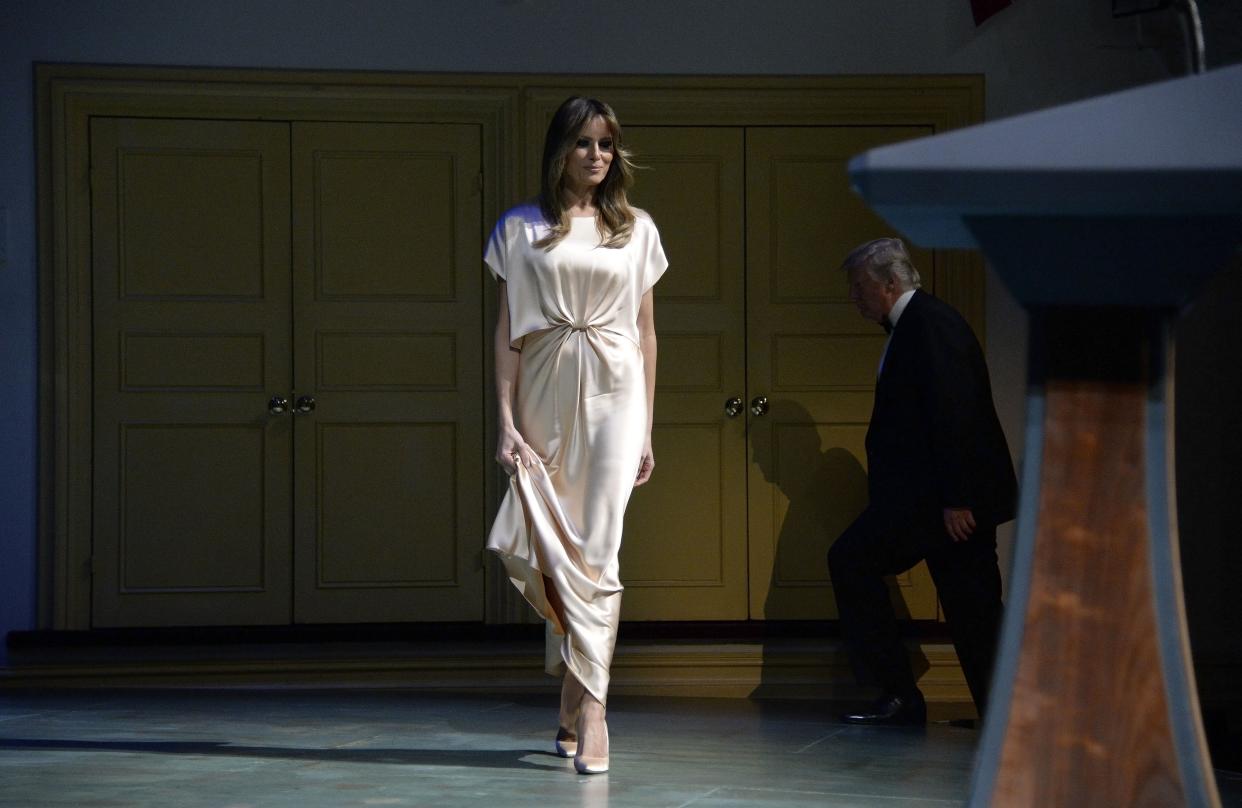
{"type": "Point", "coordinates": [935, 441]}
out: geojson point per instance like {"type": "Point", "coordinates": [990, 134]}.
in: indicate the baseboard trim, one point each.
{"type": "Point", "coordinates": [785, 669]}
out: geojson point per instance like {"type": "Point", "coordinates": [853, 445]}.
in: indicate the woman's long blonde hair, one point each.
{"type": "Point", "coordinates": [614, 218]}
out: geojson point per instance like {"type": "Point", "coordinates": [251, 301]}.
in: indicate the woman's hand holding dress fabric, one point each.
{"type": "Point", "coordinates": [511, 450]}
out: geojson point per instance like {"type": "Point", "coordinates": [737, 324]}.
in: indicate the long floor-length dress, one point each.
{"type": "Point", "coordinates": [581, 405]}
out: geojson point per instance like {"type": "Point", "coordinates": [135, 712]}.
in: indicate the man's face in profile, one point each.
{"type": "Point", "coordinates": [873, 298]}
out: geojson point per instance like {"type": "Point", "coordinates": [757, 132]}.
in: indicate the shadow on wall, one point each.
{"type": "Point", "coordinates": [825, 489]}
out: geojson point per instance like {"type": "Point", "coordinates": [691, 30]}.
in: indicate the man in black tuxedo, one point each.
{"type": "Point", "coordinates": [940, 479]}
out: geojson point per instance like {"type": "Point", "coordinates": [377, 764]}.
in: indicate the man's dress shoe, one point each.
{"type": "Point", "coordinates": [891, 711]}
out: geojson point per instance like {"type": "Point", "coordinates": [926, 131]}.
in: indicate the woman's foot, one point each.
{"type": "Point", "coordinates": [571, 703]}
{"type": "Point", "coordinates": [592, 757]}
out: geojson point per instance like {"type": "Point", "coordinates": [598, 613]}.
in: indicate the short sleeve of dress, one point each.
{"type": "Point", "coordinates": [654, 260]}
{"type": "Point", "coordinates": [497, 252]}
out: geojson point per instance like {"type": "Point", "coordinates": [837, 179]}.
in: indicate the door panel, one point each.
{"type": "Point", "coordinates": [365, 477]}
{"type": "Point", "coordinates": [216, 548]}
{"type": "Point", "coordinates": [684, 555]}
{"type": "Point", "coordinates": [190, 223]}
{"type": "Point", "coordinates": [190, 250]}
{"type": "Point", "coordinates": [814, 358]}
{"type": "Point", "coordinates": [387, 308]}
{"type": "Point", "coordinates": [377, 206]}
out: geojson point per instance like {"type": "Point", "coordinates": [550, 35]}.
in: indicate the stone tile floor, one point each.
{"type": "Point", "coordinates": [303, 749]}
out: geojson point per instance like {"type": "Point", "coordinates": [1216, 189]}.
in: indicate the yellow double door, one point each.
{"type": "Point", "coordinates": [288, 404]}
{"type": "Point", "coordinates": [766, 374]}
{"type": "Point", "coordinates": [288, 413]}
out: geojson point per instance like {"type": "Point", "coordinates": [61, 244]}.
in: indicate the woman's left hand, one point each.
{"type": "Point", "coordinates": [646, 466]}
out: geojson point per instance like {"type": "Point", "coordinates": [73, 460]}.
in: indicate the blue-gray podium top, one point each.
{"type": "Point", "coordinates": [1076, 203]}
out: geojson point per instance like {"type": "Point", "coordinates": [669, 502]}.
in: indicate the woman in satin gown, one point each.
{"type": "Point", "coordinates": [575, 383]}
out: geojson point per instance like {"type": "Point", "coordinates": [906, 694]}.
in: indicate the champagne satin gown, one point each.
{"type": "Point", "coordinates": [581, 406]}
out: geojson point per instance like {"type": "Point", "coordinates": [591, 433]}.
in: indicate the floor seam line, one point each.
{"type": "Point", "coordinates": [693, 800]}
{"type": "Point", "coordinates": [829, 736]}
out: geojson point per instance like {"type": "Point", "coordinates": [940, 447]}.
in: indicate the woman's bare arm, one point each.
{"type": "Point", "coordinates": [509, 441]}
{"type": "Point", "coordinates": [647, 341]}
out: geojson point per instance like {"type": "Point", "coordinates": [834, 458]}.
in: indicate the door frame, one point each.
{"type": "Point", "coordinates": [512, 111]}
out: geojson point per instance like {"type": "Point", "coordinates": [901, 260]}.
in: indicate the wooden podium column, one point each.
{"type": "Point", "coordinates": [1096, 677]}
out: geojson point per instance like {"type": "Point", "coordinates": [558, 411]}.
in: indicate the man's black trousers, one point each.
{"type": "Point", "coordinates": [967, 579]}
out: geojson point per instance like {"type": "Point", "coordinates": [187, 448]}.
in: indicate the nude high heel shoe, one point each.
{"type": "Point", "coordinates": [566, 732]}
{"type": "Point", "coordinates": [566, 743]}
{"type": "Point", "coordinates": [591, 765]}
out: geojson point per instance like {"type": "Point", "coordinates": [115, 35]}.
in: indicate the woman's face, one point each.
{"type": "Point", "coordinates": [588, 161]}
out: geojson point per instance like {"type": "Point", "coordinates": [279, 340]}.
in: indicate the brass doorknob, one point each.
{"type": "Point", "coordinates": [277, 405]}
{"type": "Point", "coordinates": [304, 405]}
{"type": "Point", "coordinates": [759, 406]}
{"type": "Point", "coordinates": [733, 407]}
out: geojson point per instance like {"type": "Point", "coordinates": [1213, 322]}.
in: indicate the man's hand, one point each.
{"type": "Point", "coordinates": [959, 523]}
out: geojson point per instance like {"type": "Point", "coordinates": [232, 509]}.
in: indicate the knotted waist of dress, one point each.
{"type": "Point", "coordinates": [613, 349]}
{"type": "Point", "coordinates": [567, 365]}
{"type": "Point", "coordinates": [600, 351]}
{"type": "Point", "coordinates": [568, 327]}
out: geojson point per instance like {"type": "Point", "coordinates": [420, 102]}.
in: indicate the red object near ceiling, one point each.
{"type": "Point", "coordinates": [986, 8]}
